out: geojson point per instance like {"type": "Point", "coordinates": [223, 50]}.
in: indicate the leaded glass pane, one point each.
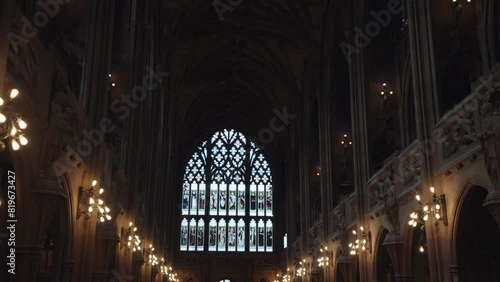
{"type": "Point", "coordinates": [253, 236]}
{"type": "Point", "coordinates": [231, 236]}
{"type": "Point", "coordinates": [241, 200]}
{"type": "Point", "coordinates": [212, 239]}
{"type": "Point", "coordinates": [261, 236]}
{"type": "Point", "coordinates": [192, 235]}
{"type": "Point", "coordinates": [221, 240]}
{"type": "Point", "coordinates": [202, 200]}
{"type": "Point", "coordinates": [269, 236]}
{"type": "Point", "coordinates": [241, 235]}
{"type": "Point", "coordinates": [201, 235]}
{"type": "Point", "coordinates": [184, 234]}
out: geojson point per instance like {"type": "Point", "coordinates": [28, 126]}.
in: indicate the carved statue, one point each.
{"type": "Point", "coordinates": [388, 196]}
{"type": "Point", "coordinates": [24, 60]}
{"type": "Point", "coordinates": [339, 219]}
{"type": "Point", "coordinates": [52, 142]}
{"type": "Point", "coordinates": [490, 139]}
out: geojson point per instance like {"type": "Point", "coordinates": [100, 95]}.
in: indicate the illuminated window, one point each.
{"type": "Point", "coordinates": [227, 197]}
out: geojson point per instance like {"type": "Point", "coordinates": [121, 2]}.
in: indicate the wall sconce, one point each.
{"type": "Point", "coordinates": [164, 268]}
{"type": "Point", "coordinates": [436, 209]}
{"type": "Point", "coordinates": [345, 142]}
{"type": "Point", "coordinates": [173, 277]}
{"type": "Point", "coordinates": [288, 276]}
{"type": "Point", "coordinates": [11, 124]}
{"type": "Point", "coordinates": [324, 259]}
{"type": "Point", "coordinates": [384, 94]}
{"type": "Point", "coordinates": [149, 253]}
{"type": "Point", "coordinates": [302, 269]}
{"type": "Point", "coordinates": [277, 277]}
{"type": "Point", "coordinates": [87, 204]}
{"type": "Point", "coordinates": [111, 82]}
{"type": "Point", "coordinates": [364, 242]}
{"type": "Point", "coordinates": [133, 241]}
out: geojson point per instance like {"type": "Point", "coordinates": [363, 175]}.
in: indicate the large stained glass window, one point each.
{"type": "Point", "coordinates": [227, 197]}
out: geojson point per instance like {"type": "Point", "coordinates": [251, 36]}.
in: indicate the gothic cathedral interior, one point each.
{"type": "Point", "coordinates": [250, 140]}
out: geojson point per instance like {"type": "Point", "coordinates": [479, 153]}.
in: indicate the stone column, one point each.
{"type": "Point", "coordinates": [27, 263]}
{"type": "Point", "coordinates": [426, 111]}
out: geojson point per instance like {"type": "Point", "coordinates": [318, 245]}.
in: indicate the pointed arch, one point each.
{"type": "Point", "coordinates": [227, 196]}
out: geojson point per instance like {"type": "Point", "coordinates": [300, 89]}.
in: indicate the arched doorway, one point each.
{"type": "Point", "coordinates": [477, 245]}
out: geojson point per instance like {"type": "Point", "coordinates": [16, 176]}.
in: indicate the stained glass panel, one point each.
{"type": "Point", "coordinates": [241, 235]}
{"type": "Point", "coordinates": [221, 240]}
{"type": "Point", "coordinates": [192, 235]}
{"type": "Point", "coordinates": [184, 234]}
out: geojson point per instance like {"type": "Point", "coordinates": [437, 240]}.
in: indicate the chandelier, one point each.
{"type": "Point", "coordinates": [12, 126]}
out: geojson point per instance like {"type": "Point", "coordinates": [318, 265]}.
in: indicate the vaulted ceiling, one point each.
{"type": "Point", "coordinates": [234, 71]}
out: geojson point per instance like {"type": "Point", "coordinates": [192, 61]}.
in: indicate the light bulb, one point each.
{"type": "Point", "coordinates": [426, 217]}
{"type": "Point", "coordinates": [432, 190]}
{"type": "Point", "coordinates": [437, 216]}
{"type": "Point", "coordinates": [15, 145]}
{"type": "Point", "coordinates": [128, 244]}
{"type": "Point", "coordinates": [426, 208]}
{"type": "Point", "coordinates": [415, 224]}
{"type": "Point", "coordinates": [1, 102]}
{"type": "Point", "coordinates": [2, 118]}
{"type": "Point", "coordinates": [13, 93]}
{"type": "Point", "coordinates": [108, 217]}
{"type": "Point", "coordinates": [421, 249]}
{"type": "Point", "coordinates": [102, 219]}
{"type": "Point", "coordinates": [94, 183]}
{"type": "Point", "coordinates": [91, 201]}
{"type": "Point", "coordinates": [438, 207]}
{"type": "Point", "coordinates": [361, 228]}
{"type": "Point", "coordinates": [13, 131]}
{"type": "Point", "coordinates": [354, 232]}
{"type": "Point", "coordinates": [22, 124]}
{"type": "Point", "coordinates": [410, 222]}
{"type": "Point", "coordinates": [418, 197]}
{"type": "Point", "coordinates": [100, 202]}
{"type": "Point", "coordinates": [106, 209]}
{"type": "Point", "coordinates": [101, 210]}
{"type": "Point", "coordinates": [101, 191]}
{"type": "Point", "coordinates": [130, 224]}
{"type": "Point", "coordinates": [90, 209]}
{"type": "Point", "coordinates": [135, 229]}
{"type": "Point", "coordinates": [23, 140]}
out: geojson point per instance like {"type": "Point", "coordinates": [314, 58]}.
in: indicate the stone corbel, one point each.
{"type": "Point", "coordinates": [394, 244]}
{"type": "Point", "coordinates": [154, 273]}
{"type": "Point", "coordinates": [137, 262]}
{"type": "Point", "coordinates": [492, 203]}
